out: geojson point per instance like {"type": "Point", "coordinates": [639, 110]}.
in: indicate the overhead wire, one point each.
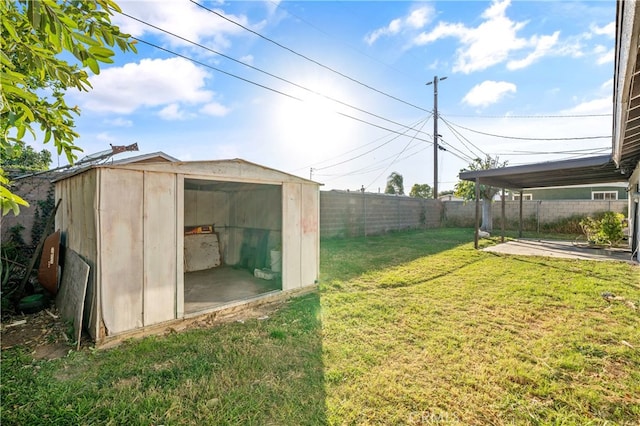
{"type": "Point", "coordinates": [460, 136]}
{"type": "Point", "coordinates": [262, 85]}
{"type": "Point", "coordinates": [328, 68]}
{"type": "Point", "coordinates": [371, 150]}
{"type": "Point", "coordinates": [372, 167]}
{"type": "Point", "coordinates": [260, 70]}
{"type": "Point", "coordinates": [529, 139]}
{"type": "Point", "coordinates": [396, 159]}
{"type": "Point", "coordinates": [356, 148]}
{"type": "Point", "coordinates": [531, 116]}
{"type": "Point", "coordinates": [279, 5]}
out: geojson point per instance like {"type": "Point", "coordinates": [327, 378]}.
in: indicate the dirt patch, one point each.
{"type": "Point", "coordinates": [43, 334]}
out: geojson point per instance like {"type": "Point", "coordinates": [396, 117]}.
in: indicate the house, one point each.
{"type": "Point", "coordinates": [605, 192]}
{"type": "Point", "coordinates": [167, 241]}
{"type": "Point", "coordinates": [623, 164]}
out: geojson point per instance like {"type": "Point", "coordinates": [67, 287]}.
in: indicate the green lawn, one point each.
{"type": "Point", "coordinates": [407, 328]}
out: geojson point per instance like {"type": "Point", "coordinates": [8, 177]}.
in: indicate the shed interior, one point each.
{"type": "Point", "coordinates": [232, 242]}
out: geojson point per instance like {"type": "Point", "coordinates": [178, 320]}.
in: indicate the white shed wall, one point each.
{"type": "Point", "coordinates": [121, 241]}
{"type": "Point", "coordinates": [138, 240]}
{"type": "Point", "coordinates": [76, 219]}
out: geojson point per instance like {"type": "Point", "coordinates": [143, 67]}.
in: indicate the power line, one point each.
{"type": "Point", "coordinates": [279, 5]}
{"type": "Point", "coordinates": [459, 136]}
{"type": "Point", "coordinates": [575, 151]}
{"type": "Point", "coordinates": [400, 153]}
{"type": "Point", "coordinates": [372, 167]}
{"type": "Point", "coordinates": [308, 58]}
{"type": "Point", "coordinates": [263, 86]}
{"type": "Point", "coordinates": [259, 69]}
{"type": "Point", "coordinates": [530, 139]}
{"type": "Point", "coordinates": [357, 148]}
{"type": "Point", "coordinates": [371, 150]}
{"type": "Point", "coordinates": [461, 154]}
{"type": "Point", "coordinates": [532, 116]}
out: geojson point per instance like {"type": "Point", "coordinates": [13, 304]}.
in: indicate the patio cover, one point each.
{"type": "Point", "coordinates": [591, 170]}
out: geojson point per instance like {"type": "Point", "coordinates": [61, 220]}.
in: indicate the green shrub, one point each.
{"type": "Point", "coordinates": [605, 228]}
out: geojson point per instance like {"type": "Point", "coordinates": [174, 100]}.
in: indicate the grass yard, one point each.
{"type": "Point", "coordinates": [407, 328]}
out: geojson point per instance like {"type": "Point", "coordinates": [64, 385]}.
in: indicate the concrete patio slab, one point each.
{"type": "Point", "coordinates": [564, 249]}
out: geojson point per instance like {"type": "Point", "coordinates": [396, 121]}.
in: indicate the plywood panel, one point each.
{"type": "Point", "coordinates": [201, 251]}
{"type": "Point", "coordinates": [73, 289]}
{"type": "Point", "coordinates": [291, 193]}
{"type": "Point", "coordinates": [310, 231]}
{"type": "Point", "coordinates": [159, 301]}
{"type": "Point", "coordinates": [121, 262]}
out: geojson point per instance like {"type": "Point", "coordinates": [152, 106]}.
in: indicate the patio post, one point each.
{"type": "Point", "coordinates": [520, 224]}
{"type": "Point", "coordinates": [476, 231]}
{"type": "Point", "coordinates": [503, 202]}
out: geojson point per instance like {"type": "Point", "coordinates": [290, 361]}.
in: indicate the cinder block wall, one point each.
{"type": "Point", "coordinates": [348, 214]}
{"type": "Point", "coordinates": [460, 213]}
{"type": "Point", "coordinates": [32, 189]}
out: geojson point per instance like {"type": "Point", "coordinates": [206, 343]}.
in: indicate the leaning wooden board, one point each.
{"type": "Point", "coordinates": [72, 291]}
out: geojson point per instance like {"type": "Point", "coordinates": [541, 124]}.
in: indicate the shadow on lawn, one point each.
{"type": "Point", "coordinates": [265, 370]}
{"type": "Point", "coordinates": [342, 259]}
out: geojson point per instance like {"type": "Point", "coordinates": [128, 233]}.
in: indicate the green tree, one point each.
{"type": "Point", "coordinates": [35, 74]}
{"type": "Point", "coordinates": [421, 191]}
{"type": "Point", "coordinates": [24, 158]}
{"type": "Point", "coordinates": [467, 189]}
{"type": "Point", "coordinates": [395, 184]}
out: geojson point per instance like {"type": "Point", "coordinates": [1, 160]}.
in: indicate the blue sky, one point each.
{"type": "Point", "coordinates": [537, 70]}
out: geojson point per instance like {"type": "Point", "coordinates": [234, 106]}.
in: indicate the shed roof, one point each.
{"type": "Point", "coordinates": [234, 170]}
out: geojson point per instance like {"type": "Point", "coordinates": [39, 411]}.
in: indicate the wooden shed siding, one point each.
{"type": "Point", "coordinates": [179, 253]}
{"type": "Point", "coordinates": [310, 245]}
{"type": "Point", "coordinates": [77, 220]}
{"type": "Point", "coordinates": [291, 241]}
{"type": "Point", "coordinates": [122, 257]}
{"type": "Point", "coordinates": [159, 302]}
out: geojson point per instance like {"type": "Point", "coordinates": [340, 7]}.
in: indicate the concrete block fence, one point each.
{"type": "Point", "coordinates": [538, 212]}
{"type": "Point", "coordinates": [348, 214]}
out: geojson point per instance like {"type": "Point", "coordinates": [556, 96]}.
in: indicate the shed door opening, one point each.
{"type": "Point", "coordinates": [232, 242]}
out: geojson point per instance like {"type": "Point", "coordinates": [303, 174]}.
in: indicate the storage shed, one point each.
{"type": "Point", "coordinates": [167, 241]}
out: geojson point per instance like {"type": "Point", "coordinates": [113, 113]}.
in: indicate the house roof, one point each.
{"type": "Point", "coordinates": [600, 169]}
{"type": "Point", "coordinates": [626, 92]}
{"type": "Point", "coordinates": [626, 126]}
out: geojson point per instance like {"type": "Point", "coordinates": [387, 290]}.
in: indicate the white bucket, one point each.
{"type": "Point", "coordinates": [276, 260]}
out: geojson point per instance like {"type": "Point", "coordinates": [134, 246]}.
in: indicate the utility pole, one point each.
{"type": "Point", "coordinates": [435, 133]}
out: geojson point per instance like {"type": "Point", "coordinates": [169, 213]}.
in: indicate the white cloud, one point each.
{"type": "Point", "coordinates": [172, 112]}
{"type": "Point", "coordinates": [119, 122]}
{"type": "Point", "coordinates": [188, 20]}
{"type": "Point", "coordinates": [543, 46]}
{"type": "Point", "coordinates": [608, 30]}
{"type": "Point", "coordinates": [248, 59]}
{"type": "Point", "coordinates": [488, 92]}
{"type": "Point", "coordinates": [415, 20]}
{"type": "Point", "coordinates": [105, 137]}
{"type": "Point", "coordinates": [215, 109]}
{"type": "Point", "coordinates": [151, 82]}
{"type": "Point", "coordinates": [491, 42]}
{"type": "Point", "coordinates": [605, 57]}
{"type": "Point", "coordinates": [602, 105]}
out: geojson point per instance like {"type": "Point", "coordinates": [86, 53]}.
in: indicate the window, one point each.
{"type": "Point", "coordinates": [525, 197]}
{"type": "Point", "coordinates": [604, 195]}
